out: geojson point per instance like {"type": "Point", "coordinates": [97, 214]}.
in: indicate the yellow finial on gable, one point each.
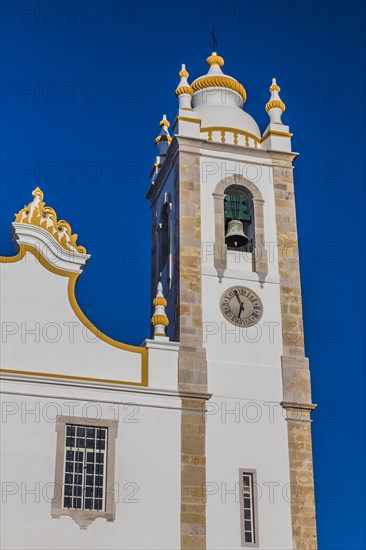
{"type": "Point", "coordinates": [40, 215]}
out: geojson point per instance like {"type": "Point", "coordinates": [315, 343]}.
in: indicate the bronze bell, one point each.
{"type": "Point", "coordinates": [235, 236]}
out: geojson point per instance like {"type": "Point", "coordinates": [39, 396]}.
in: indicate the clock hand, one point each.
{"type": "Point", "coordinates": [237, 297]}
{"type": "Point", "coordinates": [241, 309]}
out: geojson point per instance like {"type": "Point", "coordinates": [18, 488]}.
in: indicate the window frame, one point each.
{"type": "Point", "coordinates": [164, 231]}
{"type": "Point", "coordinates": [164, 236]}
{"type": "Point", "coordinates": [253, 474]}
{"type": "Point", "coordinates": [81, 516]}
{"type": "Point", "coordinates": [259, 255]}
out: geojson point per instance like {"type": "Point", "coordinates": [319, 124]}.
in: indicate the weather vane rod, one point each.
{"type": "Point", "coordinates": [214, 41]}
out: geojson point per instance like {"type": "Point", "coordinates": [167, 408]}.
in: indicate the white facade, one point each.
{"type": "Point", "coordinates": [246, 427]}
{"type": "Point", "coordinates": [146, 424]}
{"type": "Point", "coordinates": [56, 364]}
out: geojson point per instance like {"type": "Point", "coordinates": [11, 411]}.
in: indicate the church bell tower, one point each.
{"type": "Point", "coordinates": [225, 250]}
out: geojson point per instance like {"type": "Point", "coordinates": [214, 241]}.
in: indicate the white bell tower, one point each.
{"type": "Point", "coordinates": [224, 243]}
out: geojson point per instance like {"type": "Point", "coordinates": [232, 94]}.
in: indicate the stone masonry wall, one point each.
{"type": "Point", "coordinates": [192, 365]}
{"type": "Point", "coordinates": [295, 368]}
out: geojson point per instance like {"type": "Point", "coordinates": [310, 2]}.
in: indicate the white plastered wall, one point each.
{"type": "Point", "coordinates": [56, 359]}
{"type": "Point", "coordinates": [246, 427]}
{"type": "Point", "coordinates": [147, 473]}
{"type": "Point", "coordinates": [41, 332]}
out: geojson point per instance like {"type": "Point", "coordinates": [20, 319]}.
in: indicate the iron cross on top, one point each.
{"type": "Point", "coordinates": [214, 41]}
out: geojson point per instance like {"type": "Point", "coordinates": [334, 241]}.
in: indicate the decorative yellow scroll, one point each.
{"type": "Point", "coordinates": [36, 213]}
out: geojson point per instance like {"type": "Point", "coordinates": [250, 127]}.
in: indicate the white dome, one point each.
{"type": "Point", "coordinates": [218, 100]}
{"type": "Point", "coordinates": [226, 116]}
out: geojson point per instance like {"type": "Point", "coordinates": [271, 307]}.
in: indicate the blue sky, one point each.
{"type": "Point", "coordinates": [83, 91]}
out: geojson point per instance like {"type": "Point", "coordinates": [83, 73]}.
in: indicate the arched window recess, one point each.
{"type": "Point", "coordinates": [239, 219]}
{"type": "Point", "coordinates": [165, 264]}
{"type": "Point", "coordinates": [239, 224]}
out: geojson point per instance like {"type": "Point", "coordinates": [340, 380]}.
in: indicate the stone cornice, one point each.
{"type": "Point", "coordinates": [299, 406]}
{"type": "Point", "coordinates": [156, 344]}
{"type": "Point", "coordinates": [264, 155]}
{"type": "Point", "coordinates": [191, 145]}
{"type": "Point", "coordinates": [108, 387]}
{"type": "Point", "coordinates": [283, 156]}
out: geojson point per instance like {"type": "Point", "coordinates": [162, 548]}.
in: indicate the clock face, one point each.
{"type": "Point", "coordinates": [241, 306]}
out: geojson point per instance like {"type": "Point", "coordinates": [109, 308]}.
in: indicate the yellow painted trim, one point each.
{"type": "Point", "coordinates": [159, 320]}
{"type": "Point", "coordinates": [12, 259]}
{"type": "Point", "coordinates": [163, 138]}
{"type": "Point", "coordinates": [219, 81]}
{"type": "Point", "coordinates": [23, 248]}
{"type": "Point", "coordinates": [274, 87]}
{"type": "Point", "coordinates": [221, 129]}
{"type": "Point", "coordinates": [79, 313]}
{"type": "Point", "coordinates": [160, 301]}
{"type": "Point", "coordinates": [186, 119]}
{"type": "Point", "coordinates": [211, 129]}
{"type": "Point", "coordinates": [36, 212]}
{"type": "Point", "coordinates": [164, 122]}
{"type": "Point", "coordinates": [215, 59]}
{"type": "Point", "coordinates": [275, 104]}
{"type": "Point", "coordinates": [183, 90]}
{"type": "Point", "coordinates": [68, 377]}
{"type": "Point", "coordinates": [275, 133]}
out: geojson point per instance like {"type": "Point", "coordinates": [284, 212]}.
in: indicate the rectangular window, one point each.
{"type": "Point", "coordinates": [85, 467]}
{"type": "Point", "coordinates": [248, 508]}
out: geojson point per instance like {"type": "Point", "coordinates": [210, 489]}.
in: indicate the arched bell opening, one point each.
{"type": "Point", "coordinates": [164, 238]}
{"type": "Point", "coordinates": [164, 246]}
{"type": "Point", "coordinates": [239, 219]}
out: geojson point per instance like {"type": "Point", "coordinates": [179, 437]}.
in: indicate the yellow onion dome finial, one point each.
{"type": "Point", "coordinates": [215, 59]}
{"type": "Point", "coordinates": [275, 101]}
{"type": "Point", "coordinates": [183, 87]}
{"type": "Point", "coordinates": [159, 320]}
{"type": "Point", "coordinates": [163, 139]}
{"type": "Point", "coordinates": [274, 86]}
{"type": "Point", "coordinates": [215, 78]}
{"type": "Point", "coordinates": [183, 73]}
{"type": "Point", "coordinates": [164, 122]}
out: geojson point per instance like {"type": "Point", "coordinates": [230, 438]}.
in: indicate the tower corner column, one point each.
{"type": "Point", "coordinates": [192, 364]}
{"type": "Point", "coordinates": [295, 366]}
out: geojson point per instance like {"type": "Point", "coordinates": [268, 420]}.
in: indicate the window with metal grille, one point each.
{"type": "Point", "coordinates": [248, 508]}
{"type": "Point", "coordinates": [85, 467]}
